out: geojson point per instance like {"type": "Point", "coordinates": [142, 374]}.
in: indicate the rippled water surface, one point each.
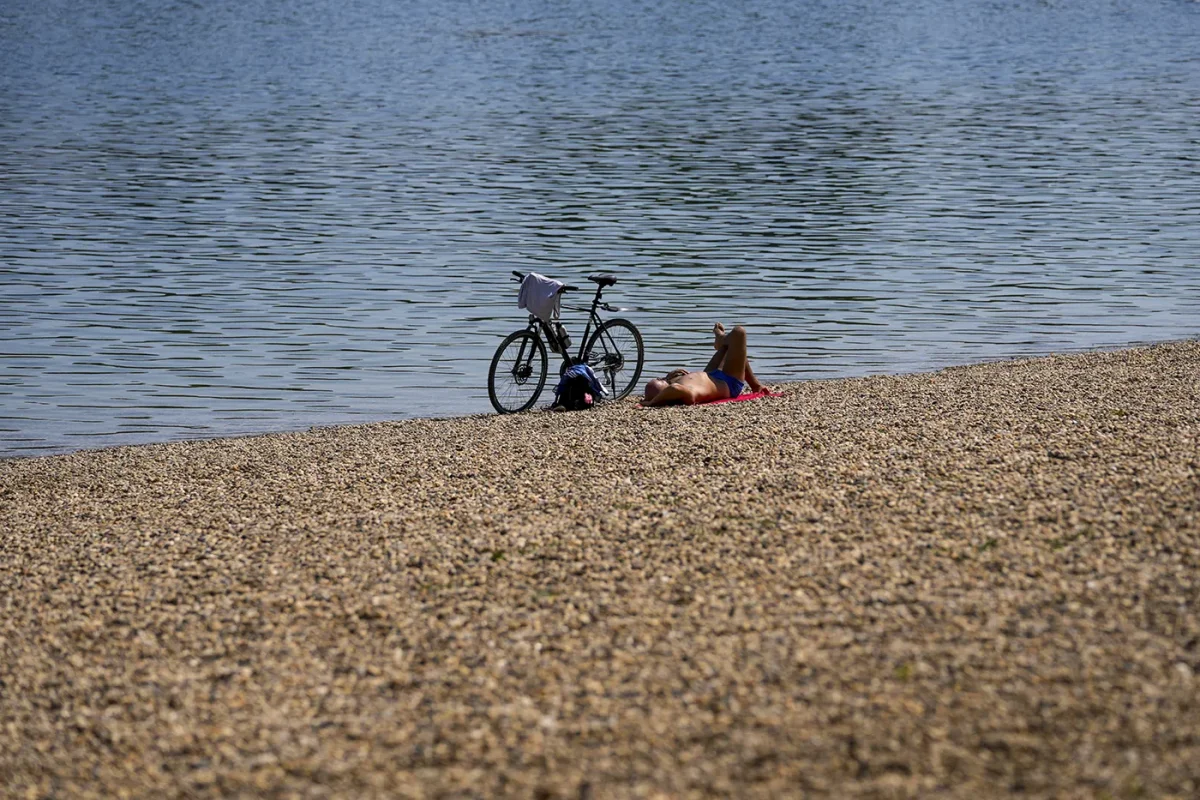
{"type": "Point", "coordinates": [229, 217]}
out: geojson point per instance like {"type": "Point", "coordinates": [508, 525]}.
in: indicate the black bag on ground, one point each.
{"type": "Point", "coordinates": [575, 394]}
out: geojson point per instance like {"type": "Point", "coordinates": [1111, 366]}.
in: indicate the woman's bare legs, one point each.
{"type": "Point", "coordinates": [721, 346]}
{"type": "Point", "coordinates": [719, 360]}
{"type": "Point", "coordinates": [735, 361]}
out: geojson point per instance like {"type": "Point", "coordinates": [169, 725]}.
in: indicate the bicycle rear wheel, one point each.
{"type": "Point", "coordinates": [616, 354]}
{"type": "Point", "coordinates": [518, 373]}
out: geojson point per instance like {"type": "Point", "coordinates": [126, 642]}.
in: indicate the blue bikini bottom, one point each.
{"type": "Point", "coordinates": [735, 386]}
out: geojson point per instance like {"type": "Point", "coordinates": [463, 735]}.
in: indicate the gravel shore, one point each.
{"type": "Point", "coordinates": [967, 583]}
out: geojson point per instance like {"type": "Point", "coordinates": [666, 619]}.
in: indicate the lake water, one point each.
{"type": "Point", "coordinates": [229, 217]}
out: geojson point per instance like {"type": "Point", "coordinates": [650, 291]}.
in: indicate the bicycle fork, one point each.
{"type": "Point", "coordinates": [523, 366]}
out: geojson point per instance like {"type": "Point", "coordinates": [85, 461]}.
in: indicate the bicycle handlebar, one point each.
{"type": "Point", "coordinates": [520, 276]}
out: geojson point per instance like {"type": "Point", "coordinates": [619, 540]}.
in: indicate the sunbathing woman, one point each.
{"type": "Point", "coordinates": [726, 375]}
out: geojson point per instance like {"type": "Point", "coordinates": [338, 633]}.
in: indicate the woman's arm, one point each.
{"type": "Point", "coordinates": [752, 381]}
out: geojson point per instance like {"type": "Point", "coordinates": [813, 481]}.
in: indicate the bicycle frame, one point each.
{"type": "Point", "coordinates": [539, 328]}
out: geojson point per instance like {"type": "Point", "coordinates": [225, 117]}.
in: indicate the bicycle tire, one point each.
{"type": "Point", "coordinates": [607, 353]}
{"type": "Point", "coordinates": [526, 367]}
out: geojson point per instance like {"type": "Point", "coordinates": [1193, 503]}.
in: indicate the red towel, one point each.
{"type": "Point", "coordinates": [738, 399]}
{"type": "Point", "coordinates": [743, 396]}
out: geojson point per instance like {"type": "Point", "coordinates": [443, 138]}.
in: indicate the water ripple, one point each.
{"type": "Point", "coordinates": [245, 217]}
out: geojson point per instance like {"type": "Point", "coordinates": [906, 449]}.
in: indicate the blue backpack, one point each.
{"type": "Point", "coordinates": [578, 390]}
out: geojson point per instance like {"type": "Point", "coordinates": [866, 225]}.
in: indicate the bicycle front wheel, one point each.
{"type": "Point", "coordinates": [616, 354]}
{"type": "Point", "coordinates": [518, 373]}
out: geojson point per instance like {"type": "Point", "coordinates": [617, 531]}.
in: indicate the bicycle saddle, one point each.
{"type": "Point", "coordinates": [603, 280]}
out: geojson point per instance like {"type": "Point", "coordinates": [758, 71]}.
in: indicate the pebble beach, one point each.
{"type": "Point", "coordinates": [968, 583]}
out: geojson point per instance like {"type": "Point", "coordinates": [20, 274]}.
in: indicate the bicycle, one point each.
{"type": "Point", "coordinates": [518, 371]}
